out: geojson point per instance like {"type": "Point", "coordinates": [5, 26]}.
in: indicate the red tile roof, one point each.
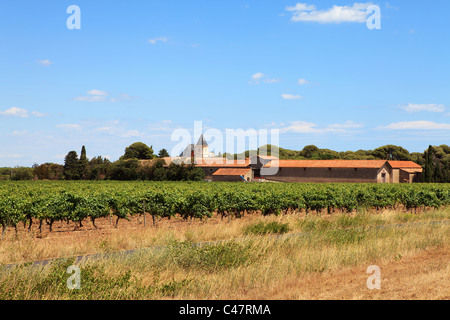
{"type": "Point", "coordinates": [221, 162]}
{"type": "Point", "coordinates": [327, 163]}
{"type": "Point", "coordinates": [267, 157]}
{"type": "Point", "coordinates": [411, 170]}
{"type": "Point", "coordinates": [231, 172]}
{"type": "Point", "coordinates": [404, 164]}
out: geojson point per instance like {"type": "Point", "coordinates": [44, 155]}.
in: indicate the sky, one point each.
{"type": "Point", "coordinates": [138, 71]}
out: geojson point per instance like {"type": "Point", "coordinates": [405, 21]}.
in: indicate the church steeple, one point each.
{"type": "Point", "coordinates": [202, 141]}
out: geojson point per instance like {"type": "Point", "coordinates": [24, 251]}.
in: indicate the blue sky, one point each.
{"type": "Point", "coordinates": [138, 70]}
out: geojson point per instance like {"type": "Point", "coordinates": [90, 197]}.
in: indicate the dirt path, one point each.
{"type": "Point", "coordinates": [422, 275]}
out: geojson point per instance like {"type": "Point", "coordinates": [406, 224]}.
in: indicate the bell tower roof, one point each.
{"type": "Point", "coordinates": [202, 141]}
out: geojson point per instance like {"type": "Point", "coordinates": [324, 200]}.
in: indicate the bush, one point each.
{"type": "Point", "coordinates": [207, 257]}
{"type": "Point", "coordinates": [22, 174]}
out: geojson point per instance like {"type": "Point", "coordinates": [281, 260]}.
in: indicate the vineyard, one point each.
{"type": "Point", "coordinates": [78, 202]}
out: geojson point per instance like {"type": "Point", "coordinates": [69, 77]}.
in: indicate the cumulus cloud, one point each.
{"type": "Point", "coordinates": [302, 82]}
{"type": "Point", "coordinates": [346, 125]}
{"type": "Point", "coordinates": [424, 107]}
{"type": "Point", "coordinates": [97, 93]}
{"type": "Point", "coordinates": [259, 76]}
{"type": "Point", "coordinates": [287, 96]}
{"type": "Point", "coordinates": [99, 96]}
{"type": "Point", "coordinates": [45, 63]}
{"type": "Point", "coordinates": [417, 125]}
{"type": "Point", "coordinates": [310, 127]}
{"type": "Point", "coordinates": [156, 40]}
{"type": "Point", "coordinates": [20, 113]}
{"type": "Point", "coordinates": [336, 14]}
{"type": "Point", "coordinates": [274, 80]}
{"type": "Point", "coordinates": [15, 112]}
{"type": "Point", "coordinates": [132, 134]}
{"type": "Point", "coordinates": [69, 126]}
{"type": "Point", "coordinates": [91, 98]}
{"type": "Point", "coordinates": [19, 133]}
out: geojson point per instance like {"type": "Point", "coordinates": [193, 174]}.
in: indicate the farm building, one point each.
{"type": "Point", "coordinates": [270, 168]}
{"type": "Point", "coordinates": [369, 171]}
{"type": "Point", "coordinates": [307, 171]}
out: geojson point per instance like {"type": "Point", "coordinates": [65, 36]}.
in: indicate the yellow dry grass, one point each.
{"type": "Point", "coordinates": [328, 261]}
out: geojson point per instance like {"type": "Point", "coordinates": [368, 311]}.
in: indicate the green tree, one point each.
{"type": "Point", "coordinates": [71, 166]}
{"type": "Point", "coordinates": [309, 151]}
{"type": "Point", "coordinates": [391, 152]}
{"type": "Point", "coordinates": [159, 172]}
{"type": "Point", "coordinates": [124, 170]}
{"type": "Point", "coordinates": [138, 150]}
{"type": "Point", "coordinates": [428, 173]}
{"type": "Point", "coordinates": [196, 174]}
{"type": "Point", "coordinates": [163, 153]}
{"type": "Point", "coordinates": [83, 165]}
{"type": "Point", "coordinates": [98, 168]}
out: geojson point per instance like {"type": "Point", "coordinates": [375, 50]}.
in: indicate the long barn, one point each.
{"type": "Point", "coordinates": [312, 171]}
{"type": "Point", "coordinates": [368, 171]}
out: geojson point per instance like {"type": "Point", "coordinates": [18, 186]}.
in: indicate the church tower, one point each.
{"type": "Point", "coordinates": [202, 147]}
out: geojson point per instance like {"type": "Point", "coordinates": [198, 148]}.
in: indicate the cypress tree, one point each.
{"type": "Point", "coordinates": [83, 163]}
{"type": "Point", "coordinates": [429, 165]}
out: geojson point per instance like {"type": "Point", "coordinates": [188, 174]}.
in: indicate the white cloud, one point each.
{"type": "Point", "coordinates": [258, 76]}
{"type": "Point", "coordinates": [424, 107]}
{"type": "Point", "coordinates": [309, 127]}
{"type": "Point", "coordinates": [45, 63]}
{"type": "Point", "coordinates": [302, 82]}
{"type": "Point", "coordinates": [272, 80]}
{"type": "Point", "coordinates": [97, 93]}
{"type": "Point", "coordinates": [287, 96]}
{"type": "Point", "coordinates": [300, 127]}
{"type": "Point", "coordinates": [99, 96]}
{"type": "Point", "coordinates": [93, 96]}
{"type": "Point", "coordinates": [38, 114]}
{"type": "Point", "coordinates": [336, 14]}
{"type": "Point", "coordinates": [132, 134]}
{"type": "Point", "coordinates": [15, 112]}
{"type": "Point", "coordinates": [18, 133]}
{"type": "Point", "coordinates": [91, 99]}
{"type": "Point", "coordinates": [346, 125]}
{"type": "Point", "coordinates": [418, 125]}
{"type": "Point", "coordinates": [69, 126]}
{"type": "Point", "coordinates": [156, 40]}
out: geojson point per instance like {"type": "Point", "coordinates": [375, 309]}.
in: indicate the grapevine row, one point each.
{"type": "Point", "coordinates": [50, 202]}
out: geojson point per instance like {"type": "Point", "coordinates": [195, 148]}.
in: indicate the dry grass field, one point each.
{"type": "Point", "coordinates": [326, 258]}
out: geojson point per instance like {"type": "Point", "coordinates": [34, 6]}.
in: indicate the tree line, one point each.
{"type": "Point", "coordinates": [128, 167]}
{"type": "Point", "coordinates": [435, 162]}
